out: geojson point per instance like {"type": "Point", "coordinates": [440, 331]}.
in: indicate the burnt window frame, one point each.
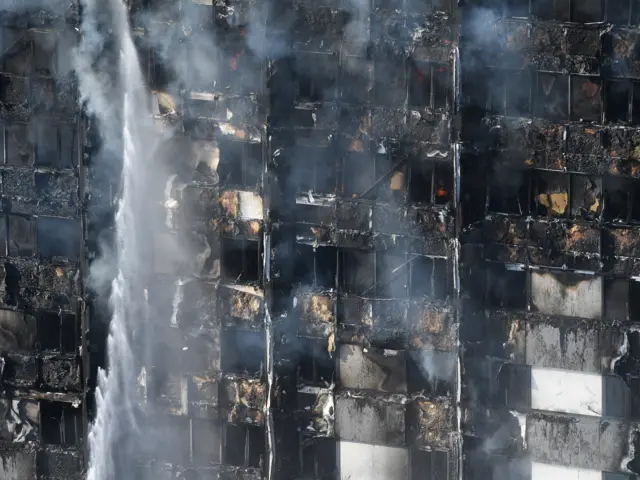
{"type": "Point", "coordinates": [440, 282]}
{"type": "Point", "coordinates": [34, 233]}
{"type": "Point", "coordinates": [609, 82]}
{"type": "Point", "coordinates": [62, 332]}
{"type": "Point", "coordinates": [66, 417]}
{"type": "Point", "coordinates": [323, 157]}
{"type": "Point", "coordinates": [600, 95]}
{"type": "Point", "coordinates": [28, 36]}
{"type": "Point", "coordinates": [240, 279]}
{"type": "Point", "coordinates": [375, 288]}
{"type": "Point", "coordinates": [379, 87]}
{"type": "Point", "coordinates": [324, 89]}
{"type": "Point", "coordinates": [318, 457]}
{"type": "Point", "coordinates": [538, 106]}
{"type": "Point", "coordinates": [246, 158]}
{"type": "Point", "coordinates": [30, 129]}
{"type": "Point", "coordinates": [76, 242]}
{"type": "Point", "coordinates": [314, 359]}
{"type": "Point", "coordinates": [500, 92]}
{"type": "Point", "coordinates": [252, 438]}
{"type": "Point", "coordinates": [568, 11]}
{"type": "Point", "coordinates": [535, 207]}
{"type": "Point", "coordinates": [330, 251]}
{"type": "Point", "coordinates": [633, 9]}
{"type": "Point", "coordinates": [434, 89]}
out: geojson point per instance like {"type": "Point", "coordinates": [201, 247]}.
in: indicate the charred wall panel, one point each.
{"type": "Point", "coordinates": [43, 345]}
{"type": "Point", "coordinates": [547, 194]}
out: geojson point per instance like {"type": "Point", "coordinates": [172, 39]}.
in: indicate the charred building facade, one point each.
{"type": "Point", "coordinates": [413, 237]}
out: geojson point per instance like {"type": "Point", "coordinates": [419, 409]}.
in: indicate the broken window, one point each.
{"type": "Point", "coordinates": [46, 144]}
{"type": "Point", "coordinates": [244, 446]}
{"type": "Point", "coordinates": [430, 464]}
{"type": "Point", "coordinates": [357, 272]}
{"type": "Point", "coordinates": [586, 11]}
{"type": "Point", "coordinates": [389, 87]}
{"type": "Point", "coordinates": [552, 9]}
{"type": "Point", "coordinates": [358, 174]}
{"type": "Point", "coordinates": [241, 260]}
{"type": "Point", "coordinates": [586, 196]}
{"type": "Point", "coordinates": [552, 98]}
{"type": "Point", "coordinates": [43, 93]}
{"type": "Point", "coordinates": [509, 191]}
{"type": "Point", "coordinates": [518, 94]}
{"type": "Point", "coordinates": [314, 169]}
{"type": "Point", "coordinates": [316, 78]}
{"type": "Point", "coordinates": [44, 53]}
{"type": "Point", "coordinates": [390, 178]}
{"type": "Point", "coordinates": [634, 301]}
{"type": "Point", "coordinates": [497, 93]}
{"type": "Point", "coordinates": [616, 299]}
{"type": "Point", "coordinates": [392, 275]}
{"type": "Point", "coordinates": [618, 96]}
{"type": "Point", "coordinates": [443, 183]}
{"type": "Point", "coordinates": [68, 146]}
{"type": "Point", "coordinates": [319, 459]}
{"type": "Point", "coordinates": [58, 332]}
{"type": "Point", "coordinates": [635, 104]}
{"type": "Point", "coordinates": [315, 364]}
{"type": "Point", "coordinates": [619, 11]}
{"type": "Point", "coordinates": [420, 77]}
{"type": "Point", "coordinates": [615, 399]}
{"type": "Point", "coordinates": [206, 442]}
{"type": "Point", "coordinates": [515, 386]}
{"type": "Point", "coordinates": [586, 100]}
{"type": "Point", "coordinates": [421, 178]}
{"type": "Point", "coordinates": [429, 277]}
{"type": "Point", "coordinates": [18, 145]}
{"type": "Point", "coordinates": [518, 8]}
{"type": "Point", "coordinates": [428, 84]}
{"type": "Point", "coordinates": [22, 236]}
{"type": "Point", "coordinates": [3, 235]}
{"type": "Point", "coordinates": [16, 48]}
{"type": "Point", "coordinates": [242, 351]}
{"type": "Point", "coordinates": [58, 237]}
{"type": "Point", "coordinates": [240, 163]}
{"type": "Point", "coordinates": [506, 288]}
{"type": "Point", "coordinates": [61, 424]}
{"type": "Point", "coordinates": [617, 198]}
{"type": "Point", "coordinates": [551, 194]}
{"type": "Point", "coordinates": [316, 266]}
{"type": "Point", "coordinates": [355, 79]}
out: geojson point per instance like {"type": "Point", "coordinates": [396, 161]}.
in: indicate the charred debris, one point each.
{"type": "Point", "coordinates": [413, 220]}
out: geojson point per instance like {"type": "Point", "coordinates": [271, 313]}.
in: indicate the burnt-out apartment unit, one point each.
{"type": "Point", "coordinates": [415, 231]}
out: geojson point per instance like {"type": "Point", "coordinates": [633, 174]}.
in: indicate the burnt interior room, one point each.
{"type": "Point", "coordinates": [401, 241]}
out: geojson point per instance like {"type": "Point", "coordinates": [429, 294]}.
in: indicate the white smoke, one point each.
{"type": "Point", "coordinates": [116, 95]}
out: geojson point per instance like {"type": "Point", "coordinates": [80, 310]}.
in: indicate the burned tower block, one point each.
{"type": "Point", "coordinates": [413, 236]}
{"type": "Point", "coordinates": [548, 234]}
{"type": "Point", "coordinates": [43, 313]}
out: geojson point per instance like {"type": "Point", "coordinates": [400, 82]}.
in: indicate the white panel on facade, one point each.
{"type": "Point", "coordinates": [566, 391]}
{"type": "Point", "coordinates": [567, 294]}
{"type": "Point", "coordinates": [541, 471]}
{"type": "Point", "coordinates": [361, 461]}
